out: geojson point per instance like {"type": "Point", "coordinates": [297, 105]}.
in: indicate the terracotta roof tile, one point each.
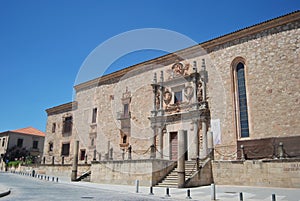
{"type": "Point", "coordinates": [30, 131]}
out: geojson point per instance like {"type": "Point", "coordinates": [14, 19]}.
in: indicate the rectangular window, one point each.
{"type": "Point", "coordinates": [53, 127]}
{"type": "Point", "coordinates": [82, 154]}
{"type": "Point", "coordinates": [126, 110]}
{"type": "Point", "coordinates": [3, 142]}
{"type": "Point", "coordinates": [35, 144]}
{"type": "Point", "coordinates": [67, 126]}
{"type": "Point", "coordinates": [94, 116]}
{"type": "Point", "coordinates": [178, 97]}
{"type": "Point", "coordinates": [20, 143]}
{"type": "Point", "coordinates": [50, 146]}
{"type": "Point", "coordinates": [65, 150]}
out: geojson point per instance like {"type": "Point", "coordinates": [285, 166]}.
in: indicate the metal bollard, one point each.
{"type": "Point", "coordinates": [151, 191]}
{"type": "Point", "coordinates": [168, 192]}
{"type": "Point", "coordinates": [137, 186]}
{"type": "Point", "coordinates": [188, 194]}
{"type": "Point", "coordinates": [57, 179]}
{"type": "Point", "coordinates": [41, 177]}
{"type": "Point", "coordinates": [241, 196]}
{"type": "Point", "coordinates": [48, 178]}
{"type": "Point", "coordinates": [213, 192]}
{"type": "Point", "coordinates": [273, 197]}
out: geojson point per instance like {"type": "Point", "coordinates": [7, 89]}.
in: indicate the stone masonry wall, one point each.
{"type": "Point", "coordinates": [272, 84]}
{"type": "Point", "coordinates": [267, 173]}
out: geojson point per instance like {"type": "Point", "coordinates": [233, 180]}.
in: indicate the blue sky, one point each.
{"type": "Point", "coordinates": [43, 43]}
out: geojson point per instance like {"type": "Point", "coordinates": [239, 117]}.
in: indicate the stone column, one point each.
{"type": "Point", "coordinates": [204, 79]}
{"type": "Point", "coordinates": [204, 138]}
{"type": "Point", "coordinates": [161, 143]}
{"type": "Point", "coordinates": [75, 161]}
{"type": "Point", "coordinates": [154, 91]}
{"type": "Point", "coordinates": [181, 158]}
{"type": "Point", "coordinates": [195, 141]}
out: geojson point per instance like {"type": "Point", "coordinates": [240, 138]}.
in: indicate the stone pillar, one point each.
{"type": "Point", "coordinates": [161, 143]}
{"type": "Point", "coordinates": [75, 161]}
{"type": "Point", "coordinates": [204, 79]}
{"type": "Point", "coordinates": [195, 141]}
{"type": "Point", "coordinates": [161, 91]}
{"type": "Point", "coordinates": [153, 155]}
{"type": "Point", "coordinates": [210, 144]}
{"type": "Point", "coordinates": [181, 158]}
{"type": "Point", "coordinates": [195, 81]}
{"type": "Point", "coordinates": [204, 138]}
{"type": "Point", "coordinates": [154, 92]}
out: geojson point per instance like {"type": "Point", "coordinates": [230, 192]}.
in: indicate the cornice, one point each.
{"type": "Point", "coordinates": [197, 50]}
{"type": "Point", "coordinates": [67, 107]}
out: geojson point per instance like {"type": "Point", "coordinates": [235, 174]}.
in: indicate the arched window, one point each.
{"type": "Point", "coordinates": [241, 100]}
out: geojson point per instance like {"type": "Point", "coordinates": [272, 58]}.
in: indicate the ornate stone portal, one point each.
{"type": "Point", "coordinates": [178, 102]}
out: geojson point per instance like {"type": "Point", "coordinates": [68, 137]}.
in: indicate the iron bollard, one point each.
{"type": "Point", "coordinates": [168, 192]}
{"type": "Point", "coordinates": [241, 196]}
{"type": "Point", "coordinates": [137, 186]}
{"type": "Point", "coordinates": [151, 191]}
{"type": "Point", "coordinates": [273, 197]}
{"type": "Point", "coordinates": [188, 194]}
{"type": "Point", "coordinates": [213, 192]}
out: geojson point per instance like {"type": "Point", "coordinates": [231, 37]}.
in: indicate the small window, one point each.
{"type": "Point", "coordinates": [50, 146]}
{"type": "Point", "coordinates": [67, 125]}
{"type": "Point", "coordinates": [35, 144]}
{"type": "Point", "coordinates": [53, 127]}
{"type": "Point", "coordinates": [82, 154]}
{"type": "Point", "coordinates": [94, 116]}
{"type": "Point", "coordinates": [3, 142]}
{"type": "Point", "coordinates": [20, 143]}
{"type": "Point", "coordinates": [178, 97]}
{"type": "Point", "coordinates": [65, 150]}
{"type": "Point", "coordinates": [124, 139]}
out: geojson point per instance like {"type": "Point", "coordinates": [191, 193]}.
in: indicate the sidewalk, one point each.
{"type": "Point", "coordinates": [223, 193]}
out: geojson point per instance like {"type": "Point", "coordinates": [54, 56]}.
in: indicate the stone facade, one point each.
{"type": "Point", "coordinates": [132, 109]}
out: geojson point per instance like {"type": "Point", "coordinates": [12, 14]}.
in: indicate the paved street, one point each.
{"type": "Point", "coordinates": [28, 188]}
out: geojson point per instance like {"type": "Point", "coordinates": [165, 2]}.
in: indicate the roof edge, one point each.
{"type": "Point", "coordinates": [210, 44]}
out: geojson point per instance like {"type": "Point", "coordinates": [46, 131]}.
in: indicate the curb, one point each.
{"type": "Point", "coordinates": [5, 193]}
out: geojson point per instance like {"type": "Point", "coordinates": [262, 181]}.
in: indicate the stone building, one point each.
{"type": "Point", "coordinates": [232, 98]}
{"type": "Point", "coordinates": [24, 142]}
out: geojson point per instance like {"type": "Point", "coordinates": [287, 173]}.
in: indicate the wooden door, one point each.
{"type": "Point", "coordinates": [174, 146]}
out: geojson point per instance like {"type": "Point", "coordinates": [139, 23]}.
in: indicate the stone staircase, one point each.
{"type": "Point", "coordinates": [171, 180]}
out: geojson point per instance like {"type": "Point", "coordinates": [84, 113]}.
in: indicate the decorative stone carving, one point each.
{"type": "Point", "coordinates": [178, 69]}
{"type": "Point", "coordinates": [199, 92]}
{"type": "Point", "coordinates": [167, 97]}
{"type": "Point", "coordinates": [157, 99]}
{"type": "Point", "coordinates": [188, 92]}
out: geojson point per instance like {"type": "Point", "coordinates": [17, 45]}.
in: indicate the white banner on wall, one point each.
{"type": "Point", "coordinates": [216, 129]}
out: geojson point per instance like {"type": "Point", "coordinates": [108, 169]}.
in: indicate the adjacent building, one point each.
{"type": "Point", "coordinates": [21, 142]}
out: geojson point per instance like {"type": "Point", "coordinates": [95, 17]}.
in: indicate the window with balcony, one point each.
{"type": "Point", "coordinates": [67, 124]}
